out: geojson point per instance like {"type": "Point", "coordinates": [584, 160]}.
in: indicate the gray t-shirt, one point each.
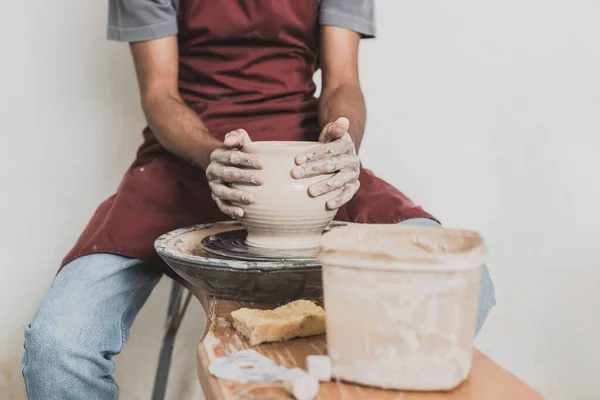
{"type": "Point", "coordinates": [140, 20]}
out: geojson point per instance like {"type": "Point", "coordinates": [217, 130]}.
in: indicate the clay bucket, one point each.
{"type": "Point", "coordinates": [401, 304]}
{"type": "Point", "coordinates": [283, 214]}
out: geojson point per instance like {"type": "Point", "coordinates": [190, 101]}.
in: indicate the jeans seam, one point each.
{"type": "Point", "coordinates": [133, 297]}
{"type": "Point", "coordinates": [25, 364]}
{"type": "Point", "coordinates": [121, 324]}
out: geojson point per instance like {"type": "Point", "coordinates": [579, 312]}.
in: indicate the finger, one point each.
{"type": "Point", "coordinates": [335, 130]}
{"type": "Point", "coordinates": [228, 209]}
{"type": "Point", "coordinates": [326, 166]}
{"type": "Point", "coordinates": [236, 139]}
{"type": "Point", "coordinates": [226, 193]}
{"type": "Point", "coordinates": [235, 158]}
{"type": "Point", "coordinates": [346, 195]}
{"type": "Point", "coordinates": [337, 181]}
{"type": "Point", "coordinates": [224, 173]}
{"type": "Point", "coordinates": [327, 150]}
{"type": "Point", "coordinates": [325, 132]}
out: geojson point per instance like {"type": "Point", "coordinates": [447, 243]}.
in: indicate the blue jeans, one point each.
{"type": "Point", "coordinates": [84, 321]}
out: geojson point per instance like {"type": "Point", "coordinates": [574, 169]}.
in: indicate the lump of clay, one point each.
{"type": "Point", "coordinates": [319, 367]}
{"type": "Point", "coordinates": [300, 318]}
{"type": "Point", "coordinates": [301, 385]}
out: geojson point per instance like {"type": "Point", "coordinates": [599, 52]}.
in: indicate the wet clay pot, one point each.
{"type": "Point", "coordinates": [401, 304]}
{"type": "Point", "coordinates": [283, 214]}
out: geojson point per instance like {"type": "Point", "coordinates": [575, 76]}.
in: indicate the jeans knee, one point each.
{"type": "Point", "coordinates": [57, 358]}
{"type": "Point", "coordinates": [49, 347]}
{"type": "Point", "coordinates": [44, 360]}
{"type": "Point", "coordinates": [43, 342]}
{"type": "Point", "coordinates": [81, 324]}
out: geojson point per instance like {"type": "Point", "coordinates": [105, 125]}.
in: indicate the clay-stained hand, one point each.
{"type": "Point", "coordinates": [229, 165]}
{"type": "Point", "coordinates": [336, 155]}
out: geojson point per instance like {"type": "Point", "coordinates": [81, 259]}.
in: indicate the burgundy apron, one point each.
{"type": "Point", "coordinates": [243, 64]}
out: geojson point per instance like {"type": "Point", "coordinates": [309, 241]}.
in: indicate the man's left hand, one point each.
{"type": "Point", "coordinates": [336, 155]}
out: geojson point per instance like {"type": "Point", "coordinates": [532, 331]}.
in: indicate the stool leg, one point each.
{"type": "Point", "coordinates": [175, 313]}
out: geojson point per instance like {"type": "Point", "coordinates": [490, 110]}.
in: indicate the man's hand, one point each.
{"type": "Point", "coordinates": [229, 165]}
{"type": "Point", "coordinates": [336, 155]}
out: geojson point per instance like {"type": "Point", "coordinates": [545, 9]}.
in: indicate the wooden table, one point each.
{"type": "Point", "coordinates": [488, 381]}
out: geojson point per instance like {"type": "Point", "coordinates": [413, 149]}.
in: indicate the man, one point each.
{"type": "Point", "coordinates": [212, 76]}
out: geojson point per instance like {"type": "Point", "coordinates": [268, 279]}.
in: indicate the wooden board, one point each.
{"type": "Point", "coordinates": [488, 381]}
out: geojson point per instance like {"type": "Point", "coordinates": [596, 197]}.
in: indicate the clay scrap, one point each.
{"type": "Point", "coordinates": [301, 385]}
{"type": "Point", "coordinates": [299, 318]}
{"type": "Point", "coordinates": [319, 367]}
{"type": "Point", "coordinates": [247, 366]}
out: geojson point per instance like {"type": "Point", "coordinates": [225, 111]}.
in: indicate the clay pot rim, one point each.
{"type": "Point", "coordinates": [274, 146]}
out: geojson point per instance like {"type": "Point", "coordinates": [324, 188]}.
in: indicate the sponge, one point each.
{"type": "Point", "coordinates": [300, 318]}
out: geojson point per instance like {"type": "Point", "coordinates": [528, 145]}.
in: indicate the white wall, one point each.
{"type": "Point", "coordinates": [487, 113]}
{"type": "Point", "coordinates": [70, 126]}
{"type": "Point", "coordinates": [491, 111]}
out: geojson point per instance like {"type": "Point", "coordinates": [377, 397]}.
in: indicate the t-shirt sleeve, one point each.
{"type": "Point", "coordinates": [356, 15]}
{"type": "Point", "coordinates": [140, 20]}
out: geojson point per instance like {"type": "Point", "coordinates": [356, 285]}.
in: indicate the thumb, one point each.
{"type": "Point", "coordinates": [236, 139]}
{"type": "Point", "coordinates": [336, 130]}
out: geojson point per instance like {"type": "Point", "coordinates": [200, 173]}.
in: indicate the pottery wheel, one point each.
{"type": "Point", "coordinates": [232, 244]}
{"type": "Point", "coordinates": [264, 280]}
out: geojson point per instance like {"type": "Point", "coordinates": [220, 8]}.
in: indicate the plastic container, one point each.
{"type": "Point", "coordinates": [401, 304]}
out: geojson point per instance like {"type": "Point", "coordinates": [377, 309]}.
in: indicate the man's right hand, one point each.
{"type": "Point", "coordinates": [230, 165]}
